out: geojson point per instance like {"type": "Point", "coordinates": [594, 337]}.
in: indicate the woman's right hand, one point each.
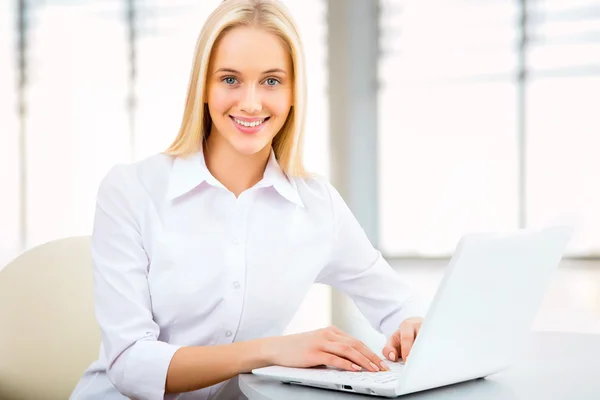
{"type": "Point", "coordinates": [329, 346]}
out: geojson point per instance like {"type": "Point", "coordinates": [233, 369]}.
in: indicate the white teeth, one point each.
{"type": "Point", "coordinates": [249, 124]}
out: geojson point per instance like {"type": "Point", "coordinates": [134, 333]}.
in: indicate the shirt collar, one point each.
{"type": "Point", "coordinates": [188, 173]}
{"type": "Point", "coordinates": [275, 177]}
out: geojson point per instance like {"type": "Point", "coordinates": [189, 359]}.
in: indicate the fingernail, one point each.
{"type": "Point", "coordinates": [392, 356]}
{"type": "Point", "coordinates": [384, 366]}
{"type": "Point", "coordinates": [356, 367]}
{"type": "Point", "coordinates": [375, 367]}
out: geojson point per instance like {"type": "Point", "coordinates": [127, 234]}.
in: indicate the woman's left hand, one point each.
{"type": "Point", "coordinates": [402, 340]}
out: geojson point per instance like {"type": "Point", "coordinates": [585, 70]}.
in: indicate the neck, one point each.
{"type": "Point", "coordinates": [237, 172]}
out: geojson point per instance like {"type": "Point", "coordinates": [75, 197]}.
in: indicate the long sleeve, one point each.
{"type": "Point", "coordinates": [137, 361]}
{"type": "Point", "coordinates": [357, 269]}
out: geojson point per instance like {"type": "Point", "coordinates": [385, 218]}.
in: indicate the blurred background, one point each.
{"type": "Point", "coordinates": [433, 118]}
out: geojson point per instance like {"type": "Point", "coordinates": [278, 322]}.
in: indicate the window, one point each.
{"type": "Point", "coordinates": [9, 135]}
{"type": "Point", "coordinates": [76, 123]}
{"type": "Point", "coordinates": [562, 118]}
{"type": "Point", "coordinates": [448, 157]}
{"type": "Point", "coordinates": [481, 130]}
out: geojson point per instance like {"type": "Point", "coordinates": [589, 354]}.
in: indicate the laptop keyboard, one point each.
{"type": "Point", "coordinates": [381, 377]}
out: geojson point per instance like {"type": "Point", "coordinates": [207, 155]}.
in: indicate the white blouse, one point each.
{"type": "Point", "coordinates": [178, 261]}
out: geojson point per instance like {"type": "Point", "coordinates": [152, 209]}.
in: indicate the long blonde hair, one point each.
{"type": "Point", "coordinates": [196, 124]}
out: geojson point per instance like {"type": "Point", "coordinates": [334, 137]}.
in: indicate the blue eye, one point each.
{"type": "Point", "coordinates": [230, 80]}
{"type": "Point", "coordinates": [272, 82]}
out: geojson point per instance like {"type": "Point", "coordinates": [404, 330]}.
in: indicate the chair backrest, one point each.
{"type": "Point", "coordinates": [48, 331]}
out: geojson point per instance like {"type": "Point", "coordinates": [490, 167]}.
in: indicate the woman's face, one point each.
{"type": "Point", "coordinates": [250, 88]}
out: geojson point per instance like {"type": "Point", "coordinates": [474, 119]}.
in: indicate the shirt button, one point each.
{"type": "Point", "coordinates": [236, 284]}
{"type": "Point", "coordinates": [228, 333]}
{"type": "Point", "coordinates": [236, 241]}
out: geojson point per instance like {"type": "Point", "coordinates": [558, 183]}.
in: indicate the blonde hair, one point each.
{"type": "Point", "coordinates": [196, 124]}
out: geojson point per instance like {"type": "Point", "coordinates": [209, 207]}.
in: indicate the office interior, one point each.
{"type": "Point", "coordinates": [432, 118]}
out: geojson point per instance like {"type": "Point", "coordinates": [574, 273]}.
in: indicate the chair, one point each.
{"type": "Point", "coordinates": [48, 331]}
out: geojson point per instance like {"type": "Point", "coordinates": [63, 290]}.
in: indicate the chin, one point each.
{"type": "Point", "coordinates": [245, 144]}
{"type": "Point", "coordinates": [249, 147]}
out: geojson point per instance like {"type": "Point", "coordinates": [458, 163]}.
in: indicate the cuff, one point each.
{"type": "Point", "coordinates": [146, 369]}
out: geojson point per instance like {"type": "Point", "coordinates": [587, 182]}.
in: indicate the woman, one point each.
{"type": "Point", "coordinates": [203, 254]}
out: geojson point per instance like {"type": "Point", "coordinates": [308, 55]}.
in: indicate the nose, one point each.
{"type": "Point", "coordinates": [250, 101]}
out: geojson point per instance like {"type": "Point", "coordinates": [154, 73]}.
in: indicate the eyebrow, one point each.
{"type": "Point", "coordinates": [233, 71]}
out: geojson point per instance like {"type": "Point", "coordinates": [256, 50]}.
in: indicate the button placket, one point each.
{"type": "Point", "coordinates": [236, 231]}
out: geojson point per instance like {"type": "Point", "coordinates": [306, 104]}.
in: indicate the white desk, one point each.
{"type": "Point", "coordinates": [558, 366]}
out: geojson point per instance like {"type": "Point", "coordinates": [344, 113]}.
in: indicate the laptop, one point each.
{"type": "Point", "coordinates": [478, 323]}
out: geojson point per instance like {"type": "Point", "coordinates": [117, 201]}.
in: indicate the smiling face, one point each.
{"type": "Point", "coordinates": [249, 89]}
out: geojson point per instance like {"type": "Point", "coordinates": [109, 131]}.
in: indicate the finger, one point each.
{"type": "Point", "coordinates": [338, 362]}
{"type": "Point", "coordinates": [348, 352]}
{"type": "Point", "coordinates": [390, 352]}
{"type": "Point", "coordinates": [391, 349]}
{"type": "Point", "coordinates": [365, 351]}
{"type": "Point", "coordinates": [360, 346]}
{"type": "Point", "coordinates": [407, 338]}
